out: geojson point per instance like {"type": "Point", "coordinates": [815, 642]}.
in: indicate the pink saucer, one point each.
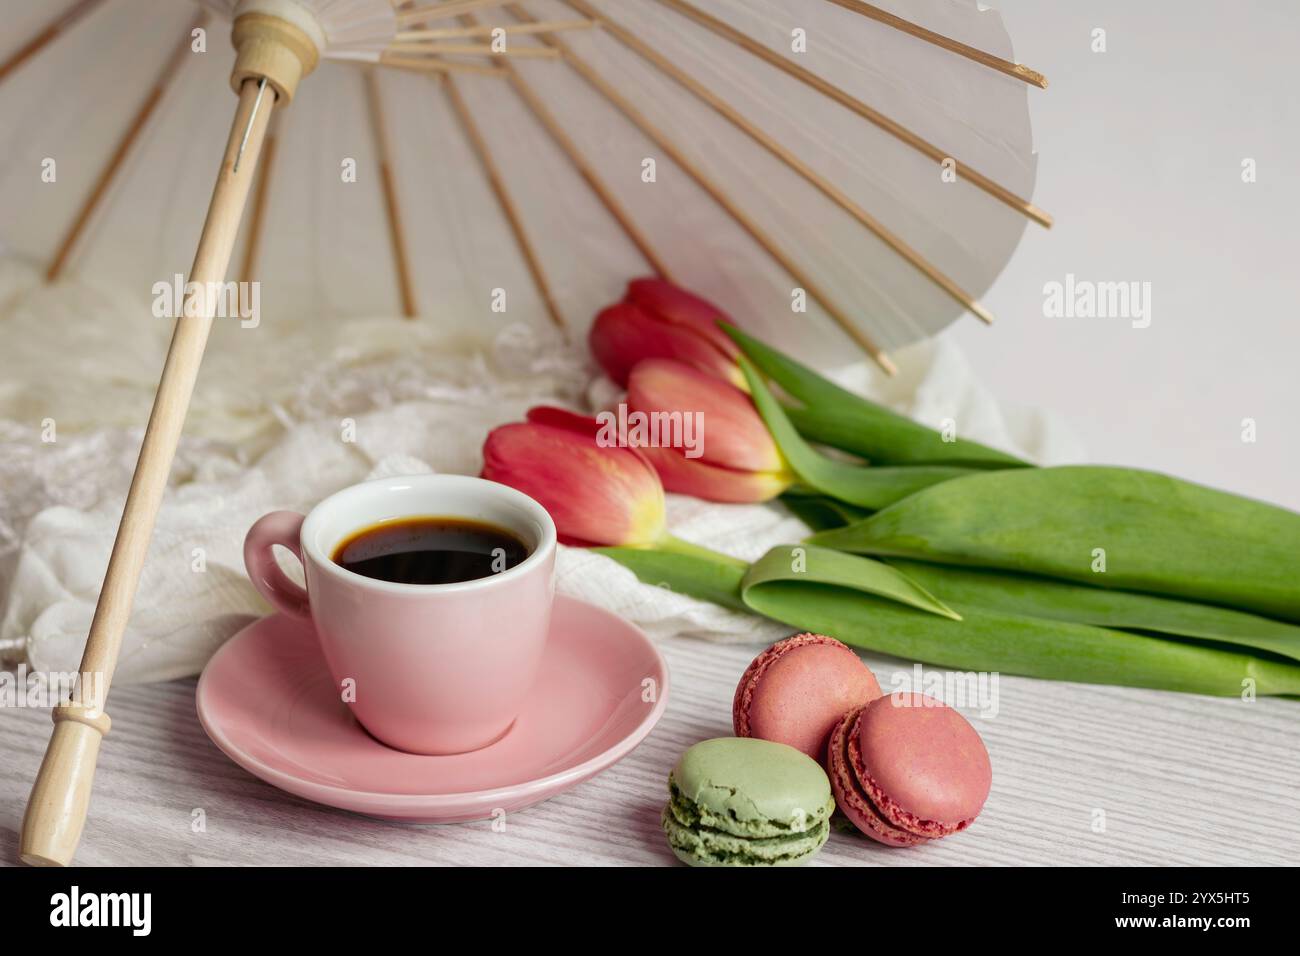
{"type": "Point", "coordinates": [268, 702]}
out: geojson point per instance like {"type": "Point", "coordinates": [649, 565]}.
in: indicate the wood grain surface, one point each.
{"type": "Point", "coordinates": [1179, 779]}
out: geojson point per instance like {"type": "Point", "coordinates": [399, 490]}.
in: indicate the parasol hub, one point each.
{"type": "Point", "coordinates": [279, 40]}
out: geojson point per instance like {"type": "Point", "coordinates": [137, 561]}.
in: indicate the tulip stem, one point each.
{"type": "Point", "coordinates": [678, 546]}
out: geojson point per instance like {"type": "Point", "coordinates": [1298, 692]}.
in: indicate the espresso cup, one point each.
{"type": "Point", "coordinates": [425, 668]}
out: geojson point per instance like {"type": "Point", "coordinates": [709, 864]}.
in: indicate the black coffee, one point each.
{"type": "Point", "coordinates": [430, 550]}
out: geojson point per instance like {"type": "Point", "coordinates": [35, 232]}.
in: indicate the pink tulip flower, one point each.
{"type": "Point", "coordinates": [695, 477]}
{"type": "Point", "coordinates": [658, 320]}
{"type": "Point", "coordinates": [734, 434]}
{"type": "Point", "coordinates": [734, 458]}
{"type": "Point", "coordinates": [671, 304]}
{"type": "Point", "coordinates": [596, 496]}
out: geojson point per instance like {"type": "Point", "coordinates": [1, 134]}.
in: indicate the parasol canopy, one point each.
{"type": "Point", "coordinates": [805, 157]}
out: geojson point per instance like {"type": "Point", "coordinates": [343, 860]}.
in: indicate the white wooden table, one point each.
{"type": "Point", "coordinates": [1179, 779]}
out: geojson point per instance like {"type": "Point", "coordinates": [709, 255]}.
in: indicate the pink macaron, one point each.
{"type": "Point", "coordinates": [849, 797]}
{"type": "Point", "coordinates": [798, 689]}
{"type": "Point", "coordinates": [907, 768]}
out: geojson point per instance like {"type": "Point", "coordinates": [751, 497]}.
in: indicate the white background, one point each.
{"type": "Point", "coordinates": [1140, 152]}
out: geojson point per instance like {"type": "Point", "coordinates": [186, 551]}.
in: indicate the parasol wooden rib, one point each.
{"type": "Point", "coordinates": [474, 49]}
{"type": "Point", "coordinates": [115, 161]}
{"type": "Point", "coordinates": [1016, 70]}
{"type": "Point", "coordinates": [431, 64]}
{"type": "Point", "coordinates": [442, 11]}
{"type": "Point", "coordinates": [248, 266]}
{"type": "Point", "coordinates": [487, 29]}
{"type": "Point", "coordinates": [46, 36]}
{"type": "Point", "coordinates": [392, 208]}
{"type": "Point", "coordinates": [504, 199]}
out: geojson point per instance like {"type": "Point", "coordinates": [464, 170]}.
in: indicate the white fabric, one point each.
{"type": "Point", "coordinates": [267, 430]}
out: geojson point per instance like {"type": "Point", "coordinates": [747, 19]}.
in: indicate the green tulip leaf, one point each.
{"type": "Point", "coordinates": [715, 579]}
{"type": "Point", "coordinates": [820, 512]}
{"type": "Point", "coordinates": [1115, 528]}
{"type": "Point", "coordinates": [837, 417]}
{"type": "Point", "coordinates": [864, 486]}
{"type": "Point", "coordinates": [824, 566]}
{"type": "Point", "coordinates": [722, 579]}
{"type": "Point", "coordinates": [1081, 604]}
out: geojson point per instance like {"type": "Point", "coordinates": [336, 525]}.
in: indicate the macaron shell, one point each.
{"type": "Point", "coordinates": [922, 764]}
{"type": "Point", "coordinates": [751, 788]}
{"type": "Point", "coordinates": [796, 691]}
{"type": "Point", "coordinates": [689, 813]}
{"type": "Point", "coordinates": [704, 846]}
{"type": "Point", "coordinates": [852, 801]}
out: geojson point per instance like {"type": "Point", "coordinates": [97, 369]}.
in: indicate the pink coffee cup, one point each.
{"type": "Point", "coordinates": [426, 668]}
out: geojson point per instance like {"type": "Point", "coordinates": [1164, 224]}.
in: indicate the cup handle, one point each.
{"type": "Point", "coordinates": [282, 528]}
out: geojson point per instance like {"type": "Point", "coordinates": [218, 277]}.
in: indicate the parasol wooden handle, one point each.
{"type": "Point", "coordinates": [57, 807]}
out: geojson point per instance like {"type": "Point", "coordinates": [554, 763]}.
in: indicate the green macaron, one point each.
{"type": "Point", "coordinates": [737, 801]}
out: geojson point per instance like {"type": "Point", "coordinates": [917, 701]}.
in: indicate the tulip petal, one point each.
{"type": "Point", "coordinates": [686, 477]}
{"type": "Point", "coordinates": [674, 304]}
{"type": "Point", "coordinates": [624, 334]}
{"type": "Point", "coordinates": [584, 425]}
{"type": "Point", "coordinates": [607, 496]}
{"type": "Point", "coordinates": [733, 435]}
{"type": "Point", "coordinates": [563, 418]}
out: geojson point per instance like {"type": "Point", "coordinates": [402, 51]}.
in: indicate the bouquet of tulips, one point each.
{"type": "Point", "coordinates": [925, 546]}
